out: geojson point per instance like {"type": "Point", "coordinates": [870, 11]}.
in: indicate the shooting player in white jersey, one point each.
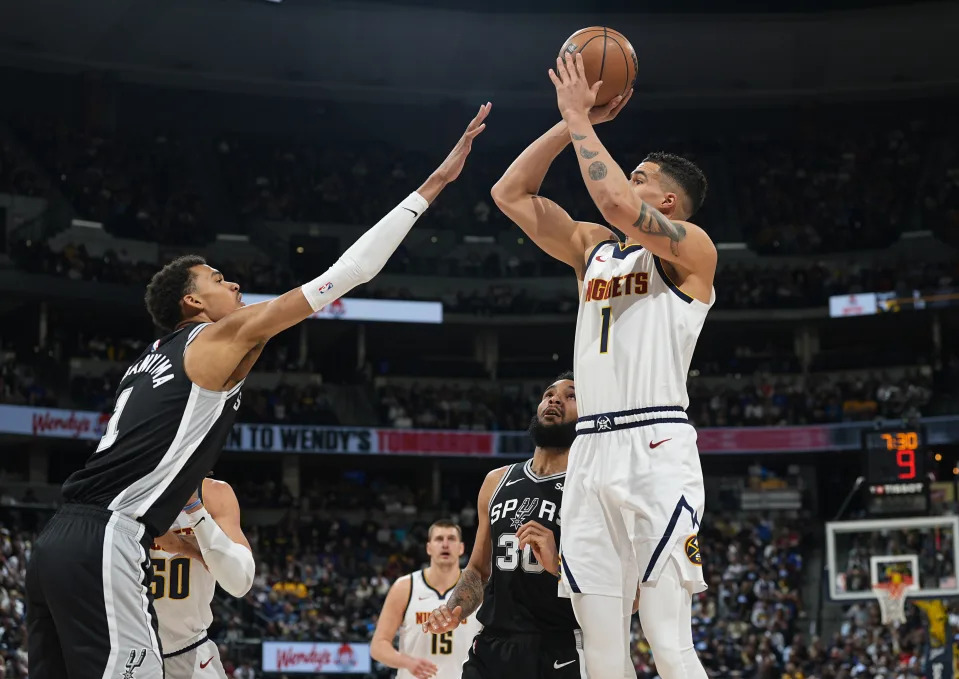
{"type": "Point", "coordinates": [408, 605]}
{"type": "Point", "coordinates": [205, 546]}
{"type": "Point", "coordinates": [634, 492]}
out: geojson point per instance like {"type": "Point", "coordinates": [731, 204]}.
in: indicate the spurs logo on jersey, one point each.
{"type": "Point", "coordinates": [635, 333]}
{"type": "Point", "coordinates": [133, 663]}
{"type": "Point", "coordinates": [182, 592]}
{"type": "Point", "coordinates": [529, 504]}
{"type": "Point", "coordinates": [447, 651]}
{"type": "Point", "coordinates": [520, 596]}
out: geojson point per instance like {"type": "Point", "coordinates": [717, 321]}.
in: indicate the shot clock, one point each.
{"type": "Point", "coordinates": [895, 470]}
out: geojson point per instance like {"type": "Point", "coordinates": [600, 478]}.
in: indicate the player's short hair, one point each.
{"type": "Point", "coordinates": [568, 375]}
{"type": "Point", "coordinates": [444, 523]}
{"type": "Point", "coordinates": [167, 288]}
{"type": "Point", "coordinates": [685, 173]}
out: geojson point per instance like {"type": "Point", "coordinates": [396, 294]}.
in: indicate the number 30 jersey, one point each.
{"type": "Point", "coordinates": [521, 596]}
{"type": "Point", "coordinates": [182, 592]}
{"type": "Point", "coordinates": [635, 333]}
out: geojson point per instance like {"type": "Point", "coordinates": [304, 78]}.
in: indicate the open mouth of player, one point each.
{"type": "Point", "coordinates": [446, 554]}
{"type": "Point", "coordinates": [239, 299]}
{"type": "Point", "coordinates": [554, 412]}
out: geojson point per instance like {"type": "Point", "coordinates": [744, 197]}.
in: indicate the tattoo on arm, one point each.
{"type": "Point", "coordinates": [655, 223]}
{"type": "Point", "coordinates": [468, 593]}
{"type": "Point", "coordinates": [597, 171]}
{"type": "Point", "coordinates": [586, 153]}
{"type": "Point", "coordinates": [578, 137]}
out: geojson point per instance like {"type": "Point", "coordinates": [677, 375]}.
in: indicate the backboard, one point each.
{"type": "Point", "coordinates": [861, 554]}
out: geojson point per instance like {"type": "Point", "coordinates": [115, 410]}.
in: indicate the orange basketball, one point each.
{"type": "Point", "coordinates": [607, 56]}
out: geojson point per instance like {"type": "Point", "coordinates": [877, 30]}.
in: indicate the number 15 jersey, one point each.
{"type": "Point", "coordinates": [635, 333]}
{"type": "Point", "coordinates": [447, 651]}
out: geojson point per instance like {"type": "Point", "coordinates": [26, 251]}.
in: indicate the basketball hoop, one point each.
{"type": "Point", "coordinates": [892, 599]}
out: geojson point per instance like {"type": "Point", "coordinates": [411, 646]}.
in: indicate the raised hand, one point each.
{"type": "Point", "coordinates": [543, 543]}
{"type": "Point", "coordinates": [603, 114]}
{"type": "Point", "coordinates": [442, 619]}
{"type": "Point", "coordinates": [573, 93]}
{"type": "Point", "coordinates": [450, 168]}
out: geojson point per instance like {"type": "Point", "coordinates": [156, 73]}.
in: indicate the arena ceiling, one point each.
{"type": "Point", "coordinates": [643, 6]}
{"type": "Point", "coordinates": [430, 50]}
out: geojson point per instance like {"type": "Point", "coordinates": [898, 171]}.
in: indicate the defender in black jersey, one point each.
{"type": "Point", "coordinates": [528, 630]}
{"type": "Point", "coordinates": [89, 610]}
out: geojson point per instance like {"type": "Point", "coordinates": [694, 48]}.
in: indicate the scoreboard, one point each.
{"type": "Point", "coordinates": [895, 470]}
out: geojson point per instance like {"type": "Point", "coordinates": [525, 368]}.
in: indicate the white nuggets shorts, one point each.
{"type": "Point", "coordinates": [197, 662]}
{"type": "Point", "coordinates": [633, 499]}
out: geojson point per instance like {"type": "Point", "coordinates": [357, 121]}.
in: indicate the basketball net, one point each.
{"type": "Point", "coordinates": [892, 598]}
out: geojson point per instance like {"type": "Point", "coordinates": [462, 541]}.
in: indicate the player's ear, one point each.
{"type": "Point", "coordinates": [670, 202]}
{"type": "Point", "coordinates": [191, 302]}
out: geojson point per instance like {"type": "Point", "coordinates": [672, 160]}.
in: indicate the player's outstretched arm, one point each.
{"type": "Point", "coordinates": [225, 549]}
{"type": "Point", "coordinates": [217, 351]}
{"type": "Point", "coordinates": [680, 242]}
{"type": "Point", "coordinates": [391, 617]}
{"type": "Point", "coordinates": [467, 596]}
{"type": "Point", "coordinates": [546, 223]}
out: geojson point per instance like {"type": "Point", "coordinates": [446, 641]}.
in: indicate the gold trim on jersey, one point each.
{"type": "Point", "coordinates": [443, 595]}
{"type": "Point", "coordinates": [661, 268]}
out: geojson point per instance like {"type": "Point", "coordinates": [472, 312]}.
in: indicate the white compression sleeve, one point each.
{"type": "Point", "coordinates": [605, 628]}
{"type": "Point", "coordinates": [231, 564]}
{"type": "Point", "coordinates": [367, 256]}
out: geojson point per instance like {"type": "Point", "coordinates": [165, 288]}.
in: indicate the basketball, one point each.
{"type": "Point", "coordinates": [607, 56]}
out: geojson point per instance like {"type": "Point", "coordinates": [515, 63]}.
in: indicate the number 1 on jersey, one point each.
{"type": "Point", "coordinates": [607, 313]}
{"type": "Point", "coordinates": [112, 426]}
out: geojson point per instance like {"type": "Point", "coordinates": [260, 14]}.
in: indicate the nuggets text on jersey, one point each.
{"type": "Point", "coordinates": [633, 283]}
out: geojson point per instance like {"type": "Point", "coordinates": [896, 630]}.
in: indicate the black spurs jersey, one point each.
{"type": "Point", "coordinates": [521, 596]}
{"type": "Point", "coordinates": [164, 436]}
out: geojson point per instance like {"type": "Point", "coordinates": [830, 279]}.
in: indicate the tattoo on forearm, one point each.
{"type": "Point", "coordinates": [468, 593]}
{"type": "Point", "coordinates": [597, 171]}
{"type": "Point", "coordinates": [586, 153]}
{"type": "Point", "coordinates": [655, 223]}
{"type": "Point", "coordinates": [578, 137]}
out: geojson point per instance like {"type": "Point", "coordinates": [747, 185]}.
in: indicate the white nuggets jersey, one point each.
{"type": "Point", "coordinates": [635, 333]}
{"type": "Point", "coordinates": [447, 651]}
{"type": "Point", "coordinates": [182, 592]}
